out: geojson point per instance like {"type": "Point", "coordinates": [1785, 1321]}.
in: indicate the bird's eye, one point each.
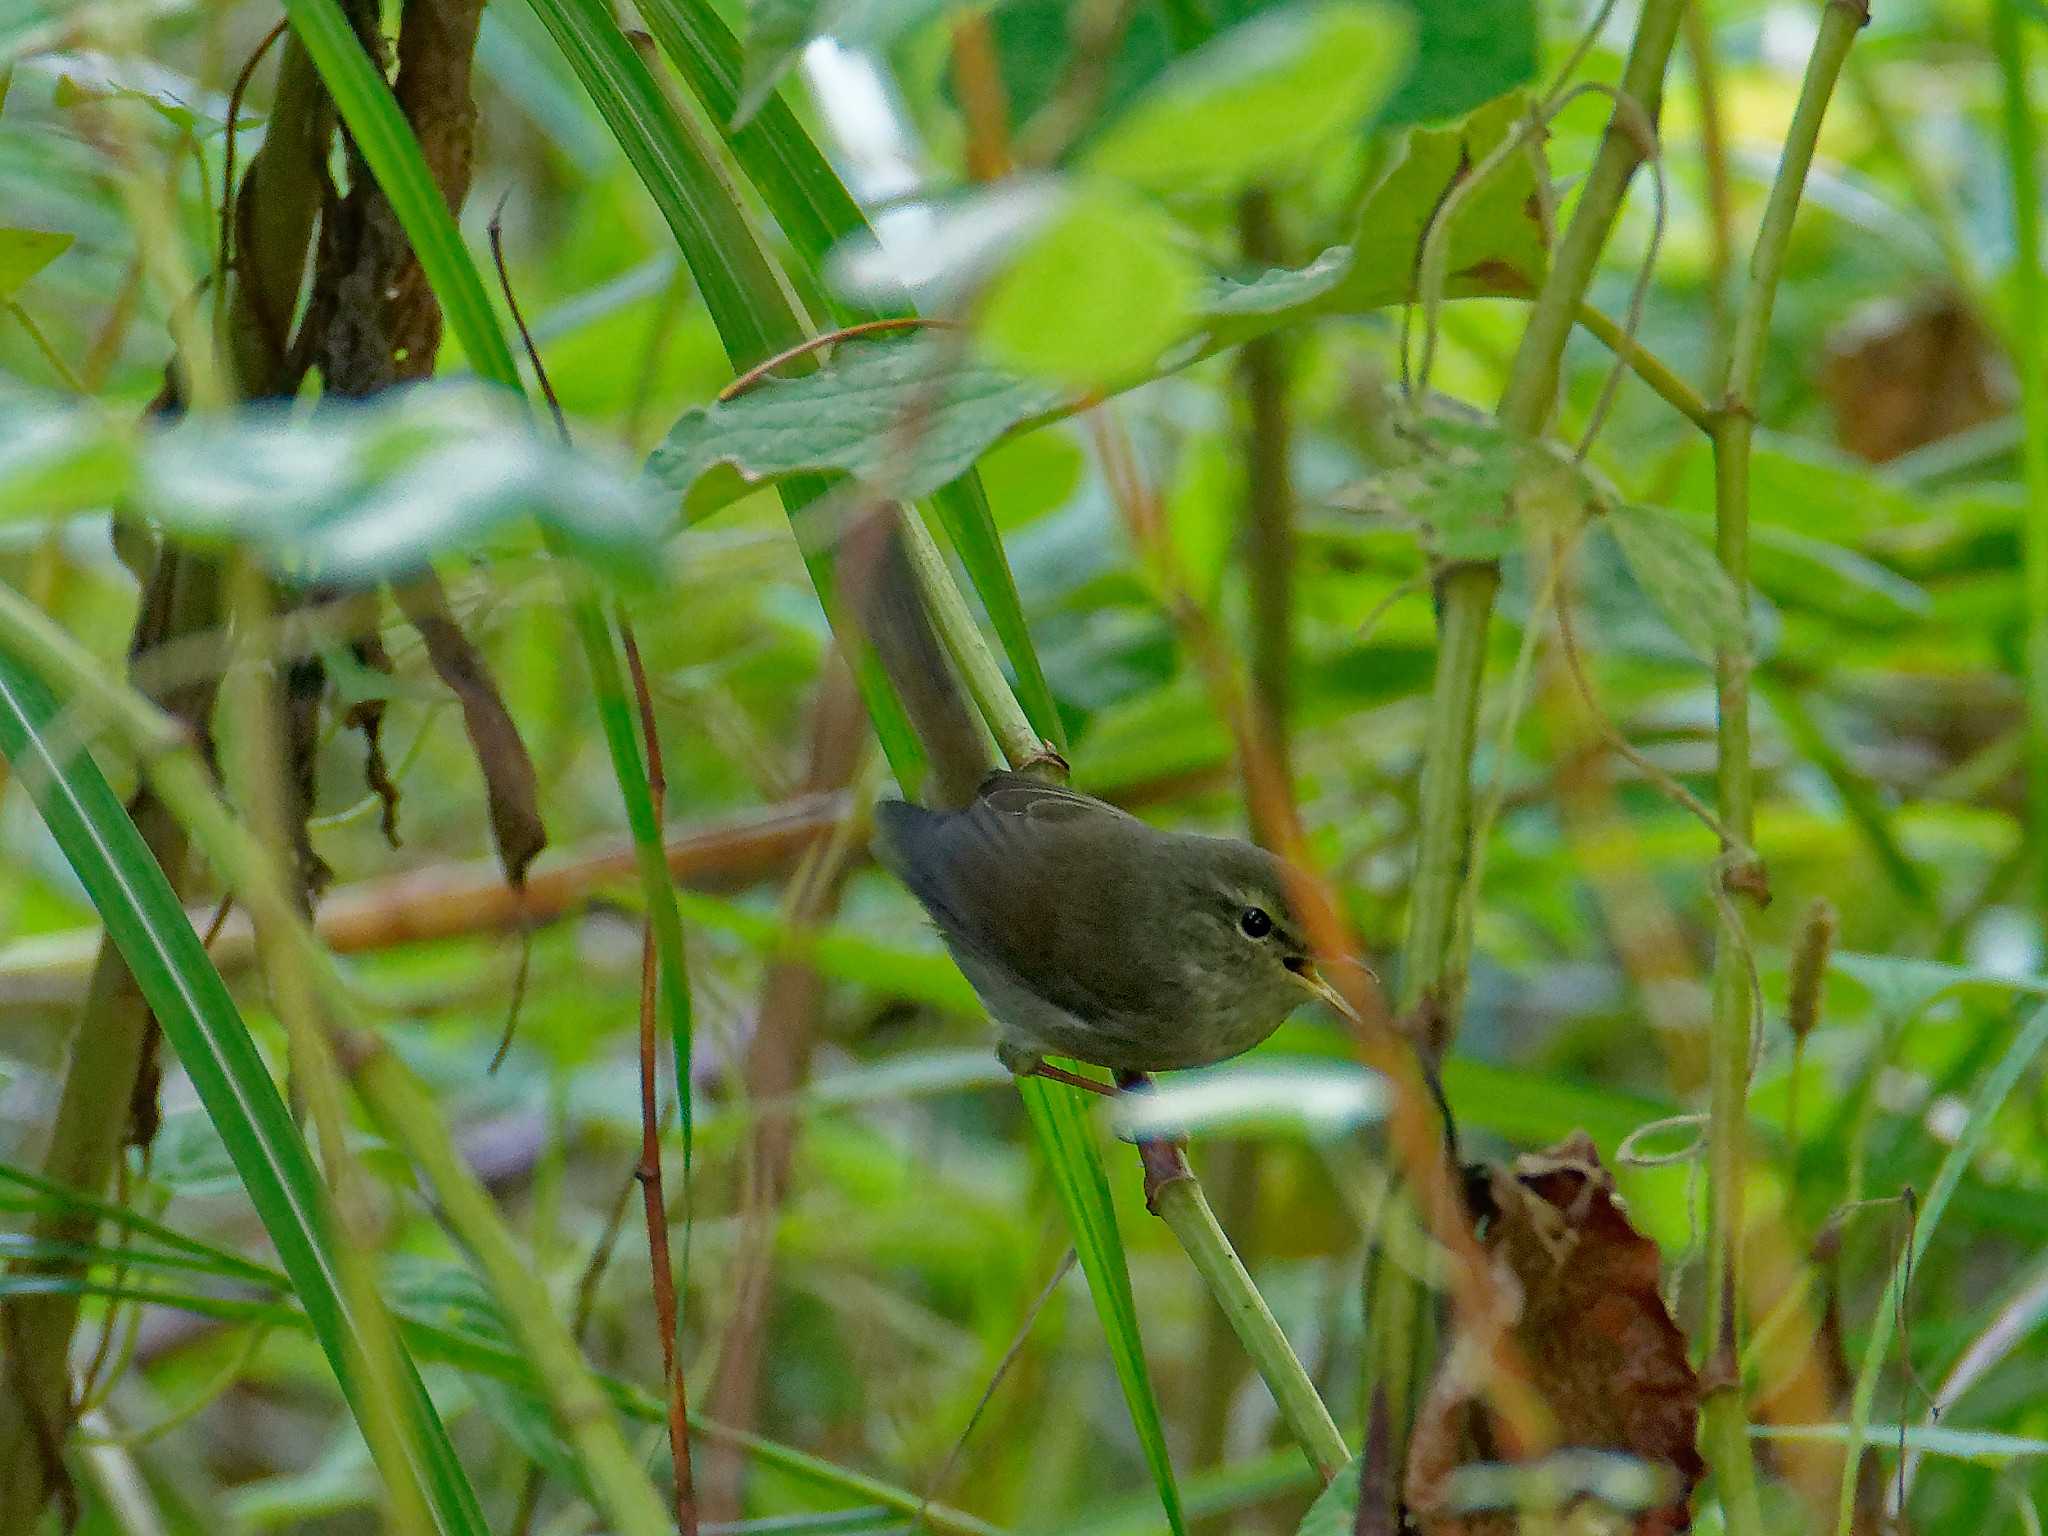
{"type": "Point", "coordinates": [1255, 923]}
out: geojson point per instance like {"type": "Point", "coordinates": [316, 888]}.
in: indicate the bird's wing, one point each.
{"type": "Point", "coordinates": [1012, 794]}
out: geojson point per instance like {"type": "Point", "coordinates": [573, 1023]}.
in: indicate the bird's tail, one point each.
{"type": "Point", "coordinates": [886, 600]}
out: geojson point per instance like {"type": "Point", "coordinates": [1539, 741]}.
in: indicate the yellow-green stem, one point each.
{"type": "Point", "coordinates": [1185, 1210]}
{"type": "Point", "coordinates": [1725, 1429]}
{"type": "Point", "coordinates": [2022, 154]}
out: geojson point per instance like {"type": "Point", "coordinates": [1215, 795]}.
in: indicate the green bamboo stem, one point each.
{"type": "Point", "coordinates": [179, 775]}
{"type": "Point", "coordinates": [1185, 1210]}
{"type": "Point", "coordinates": [1428, 960]}
{"type": "Point", "coordinates": [2022, 153]}
{"type": "Point", "coordinates": [1725, 1430]}
{"type": "Point", "coordinates": [1465, 598]}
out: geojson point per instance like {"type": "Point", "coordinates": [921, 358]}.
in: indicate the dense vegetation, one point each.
{"type": "Point", "coordinates": [1574, 477]}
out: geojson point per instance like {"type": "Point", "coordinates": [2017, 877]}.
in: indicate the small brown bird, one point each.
{"type": "Point", "coordinates": [1088, 933]}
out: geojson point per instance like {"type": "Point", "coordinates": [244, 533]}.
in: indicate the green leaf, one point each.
{"type": "Point", "coordinates": [1799, 571]}
{"type": "Point", "coordinates": [1075, 1162]}
{"type": "Point", "coordinates": [1335, 1511]}
{"type": "Point", "coordinates": [85, 75]}
{"type": "Point", "coordinates": [190, 1001]}
{"type": "Point", "coordinates": [1470, 488]}
{"type": "Point", "coordinates": [1258, 99]}
{"type": "Point", "coordinates": [1678, 569]}
{"type": "Point", "coordinates": [847, 419]}
{"type": "Point", "coordinates": [1497, 240]}
{"type": "Point", "coordinates": [1094, 296]}
{"type": "Point", "coordinates": [1465, 54]}
{"type": "Point", "coordinates": [373, 490]}
{"type": "Point", "coordinates": [57, 457]}
{"type": "Point", "coordinates": [1985, 1447]}
{"type": "Point", "coordinates": [24, 253]}
{"type": "Point", "coordinates": [1278, 289]}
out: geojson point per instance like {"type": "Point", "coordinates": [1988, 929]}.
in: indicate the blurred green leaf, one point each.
{"type": "Point", "coordinates": [1678, 569]}
{"type": "Point", "coordinates": [847, 418]}
{"type": "Point", "coordinates": [1465, 54]}
{"type": "Point", "coordinates": [1094, 295]}
{"type": "Point", "coordinates": [1258, 99]}
{"type": "Point", "coordinates": [1470, 488]}
{"type": "Point", "coordinates": [24, 253]}
{"type": "Point", "coordinates": [365, 491]}
{"type": "Point", "coordinates": [57, 458]}
{"type": "Point", "coordinates": [87, 75]}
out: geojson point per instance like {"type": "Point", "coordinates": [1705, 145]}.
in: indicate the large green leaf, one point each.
{"type": "Point", "coordinates": [190, 1001]}
{"type": "Point", "coordinates": [848, 419]}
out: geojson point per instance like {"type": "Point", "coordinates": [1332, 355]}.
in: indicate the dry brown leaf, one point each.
{"type": "Point", "coordinates": [1902, 375]}
{"type": "Point", "coordinates": [1600, 1348]}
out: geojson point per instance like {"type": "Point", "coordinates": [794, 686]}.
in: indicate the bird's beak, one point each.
{"type": "Point", "coordinates": [1306, 973]}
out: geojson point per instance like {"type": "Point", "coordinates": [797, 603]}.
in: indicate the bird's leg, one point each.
{"type": "Point", "coordinates": [1071, 1079]}
{"type": "Point", "coordinates": [1164, 1157]}
{"type": "Point", "coordinates": [1023, 1063]}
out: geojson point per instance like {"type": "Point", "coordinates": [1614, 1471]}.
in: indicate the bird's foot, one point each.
{"type": "Point", "coordinates": [1164, 1157]}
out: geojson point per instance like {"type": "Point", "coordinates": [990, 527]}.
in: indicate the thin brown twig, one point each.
{"type": "Point", "coordinates": [768, 365]}
{"type": "Point", "coordinates": [649, 1170]}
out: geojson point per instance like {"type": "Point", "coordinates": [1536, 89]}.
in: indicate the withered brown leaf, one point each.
{"type": "Point", "coordinates": [1591, 1328]}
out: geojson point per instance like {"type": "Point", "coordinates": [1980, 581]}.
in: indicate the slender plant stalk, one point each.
{"type": "Point", "coordinates": [1185, 1210]}
{"type": "Point", "coordinates": [1726, 1432]}
{"type": "Point", "coordinates": [2022, 156]}
{"type": "Point", "coordinates": [1431, 985]}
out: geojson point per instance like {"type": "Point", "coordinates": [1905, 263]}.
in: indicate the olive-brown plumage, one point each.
{"type": "Point", "coordinates": [1088, 933]}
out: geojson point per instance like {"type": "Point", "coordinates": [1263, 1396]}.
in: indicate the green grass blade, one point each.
{"type": "Point", "coordinates": [191, 1002]}
{"type": "Point", "coordinates": [386, 139]}
{"type": "Point", "coordinates": [2029, 1041]}
{"type": "Point", "coordinates": [1075, 1161]}
{"type": "Point", "coordinates": [802, 190]}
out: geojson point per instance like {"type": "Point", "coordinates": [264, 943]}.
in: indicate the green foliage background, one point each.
{"type": "Point", "coordinates": [1891, 621]}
